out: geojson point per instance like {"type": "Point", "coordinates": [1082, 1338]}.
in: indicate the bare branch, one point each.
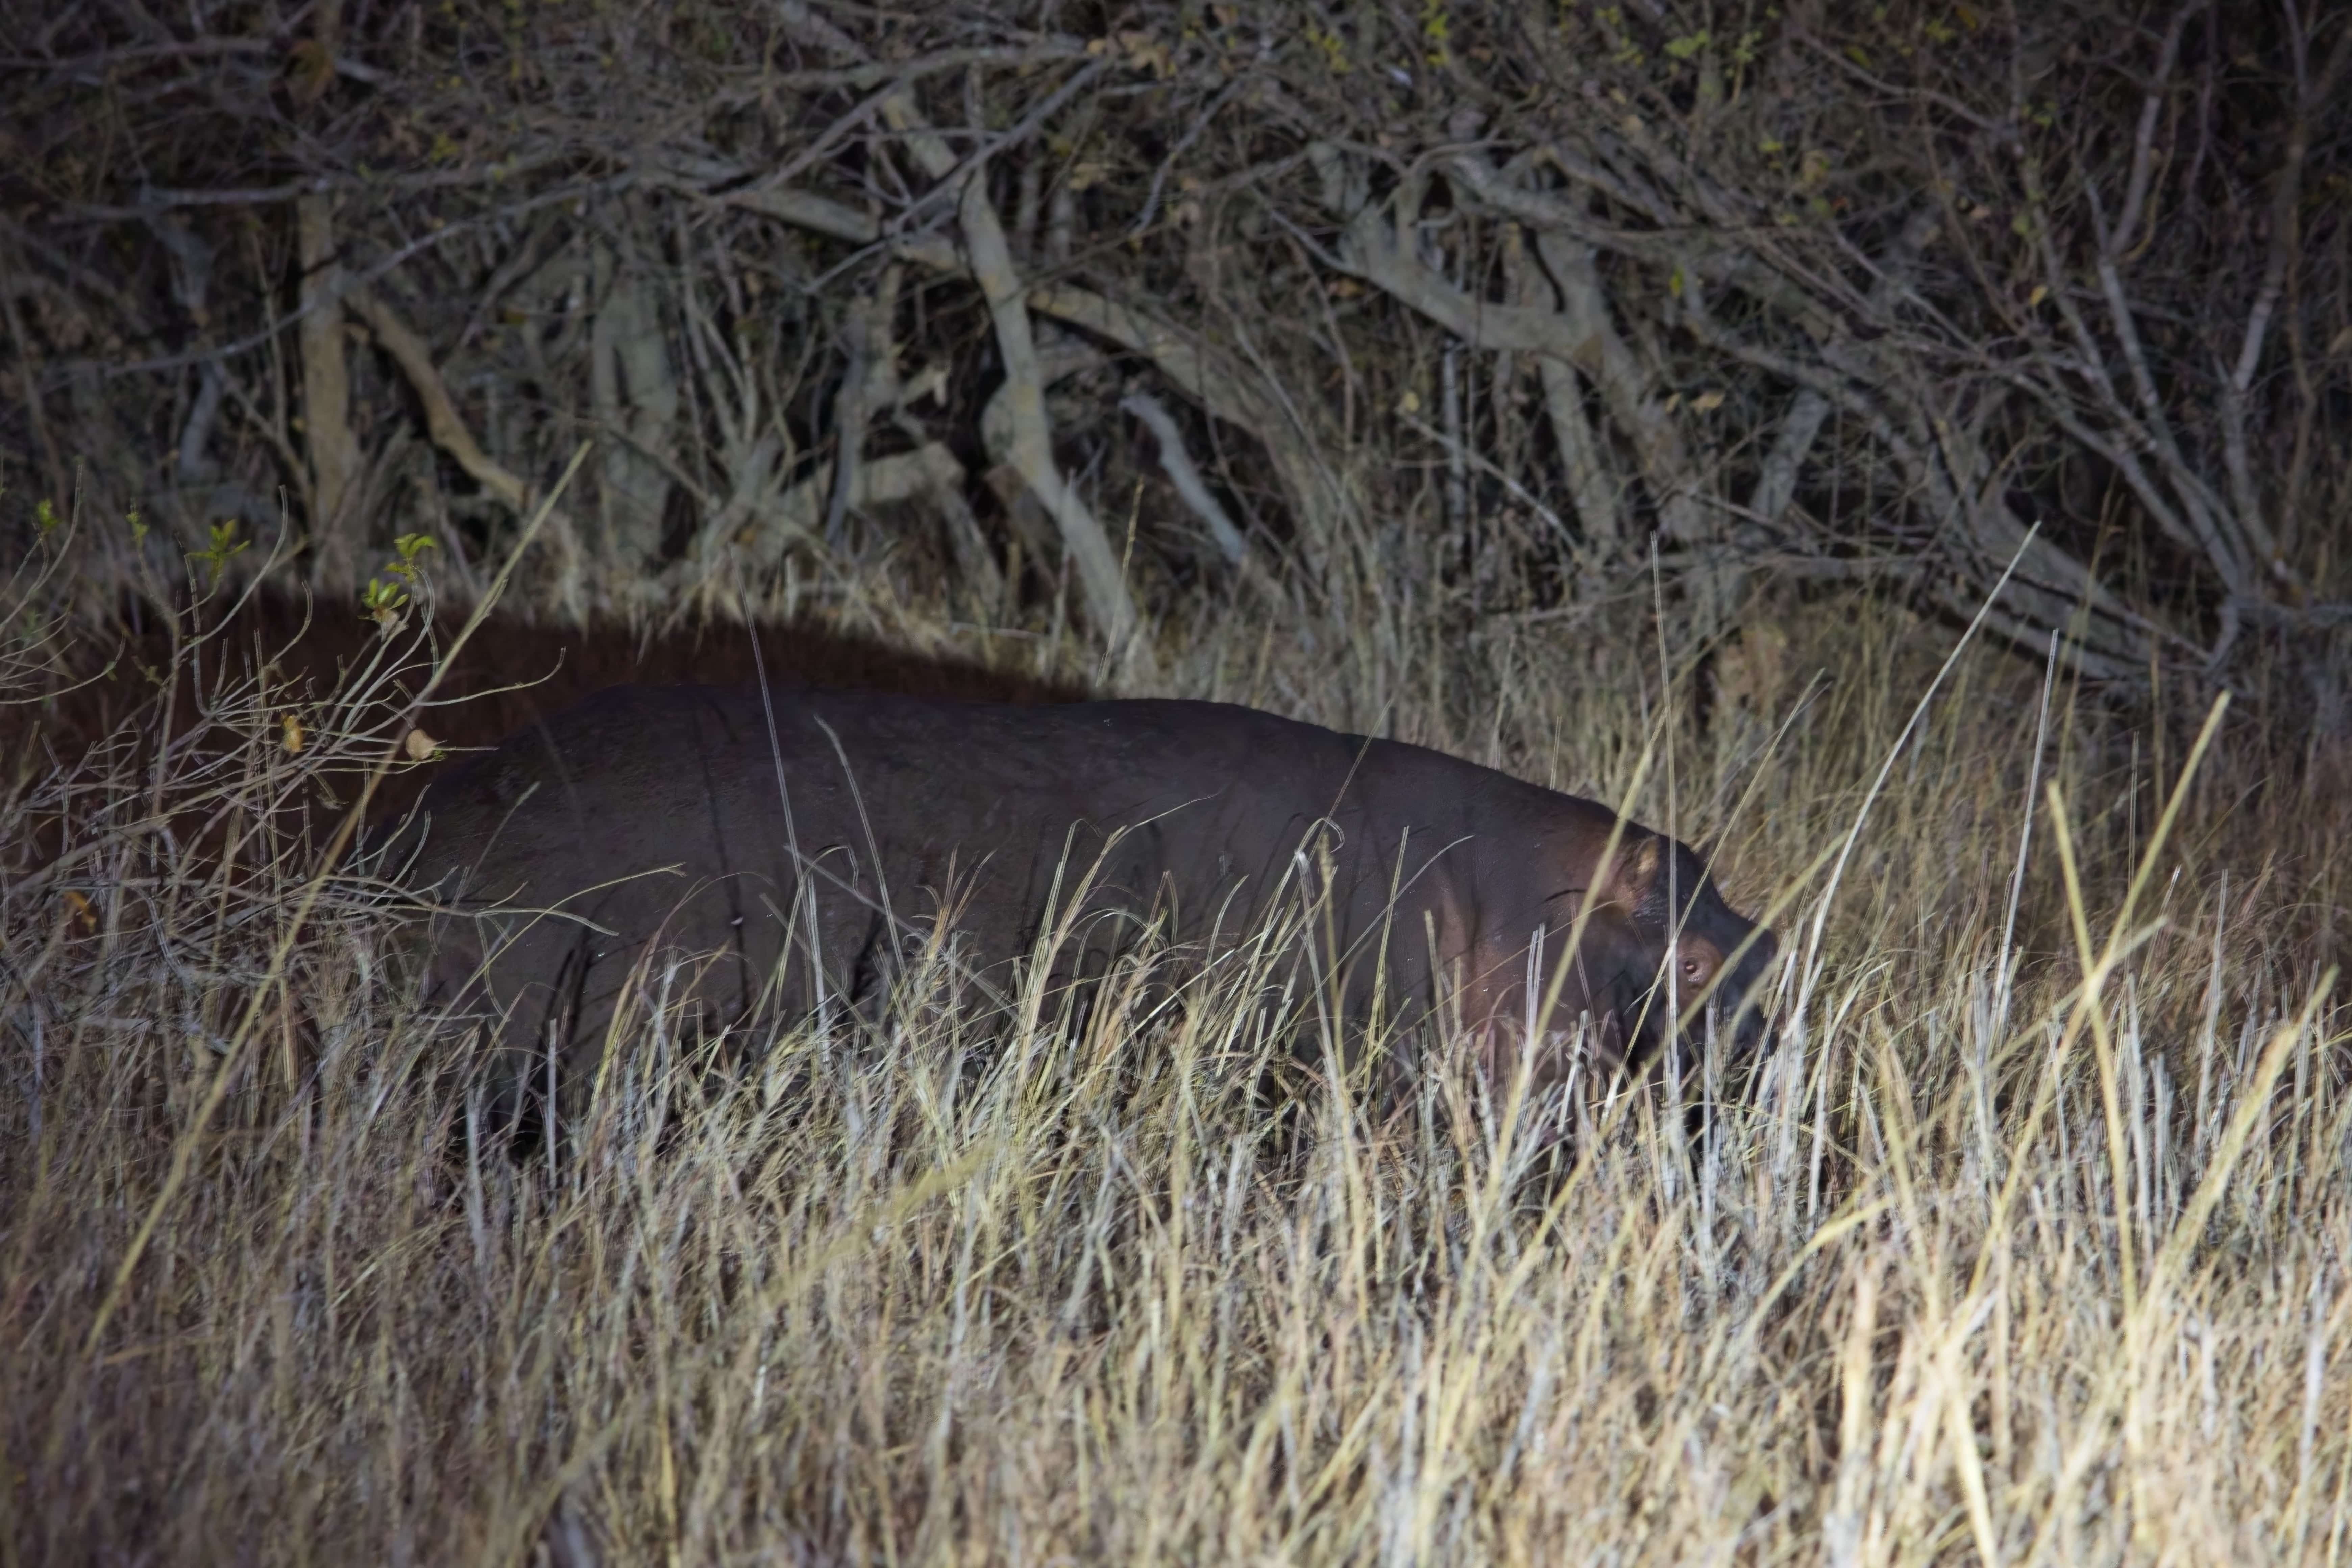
{"type": "Point", "coordinates": [1033, 449]}
{"type": "Point", "coordinates": [1776, 482]}
{"type": "Point", "coordinates": [327, 435]}
{"type": "Point", "coordinates": [442, 420]}
{"type": "Point", "coordinates": [1583, 459]}
{"type": "Point", "coordinates": [1190, 489]}
{"type": "Point", "coordinates": [2142, 163]}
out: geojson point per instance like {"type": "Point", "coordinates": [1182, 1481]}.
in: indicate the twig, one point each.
{"type": "Point", "coordinates": [183, 1149]}
{"type": "Point", "coordinates": [447, 426]}
{"type": "Point", "coordinates": [1177, 463]}
{"type": "Point", "coordinates": [60, 483]}
{"type": "Point", "coordinates": [1184, 144]}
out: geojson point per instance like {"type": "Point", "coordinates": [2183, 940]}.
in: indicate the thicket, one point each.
{"type": "Point", "coordinates": [1490, 310]}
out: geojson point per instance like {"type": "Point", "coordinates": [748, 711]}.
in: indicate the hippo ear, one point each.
{"type": "Point", "coordinates": [1629, 878]}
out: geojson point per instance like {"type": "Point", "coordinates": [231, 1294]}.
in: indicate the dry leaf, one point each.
{"type": "Point", "coordinates": [419, 746]}
{"type": "Point", "coordinates": [291, 725]}
{"type": "Point", "coordinates": [1145, 52]}
{"type": "Point", "coordinates": [930, 383]}
{"type": "Point", "coordinates": [2040, 292]}
{"type": "Point", "coordinates": [311, 71]}
{"type": "Point", "coordinates": [1707, 402]}
{"type": "Point", "coordinates": [79, 908]}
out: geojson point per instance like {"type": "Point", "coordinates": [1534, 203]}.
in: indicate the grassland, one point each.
{"type": "Point", "coordinates": [2027, 1242]}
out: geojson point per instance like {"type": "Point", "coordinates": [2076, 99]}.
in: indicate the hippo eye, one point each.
{"type": "Point", "coordinates": [1693, 968]}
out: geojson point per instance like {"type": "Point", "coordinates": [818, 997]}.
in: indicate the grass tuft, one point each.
{"type": "Point", "coordinates": [2027, 1242]}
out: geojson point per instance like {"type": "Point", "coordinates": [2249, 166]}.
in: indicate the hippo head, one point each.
{"type": "Point", "coordinates": [1691, 951]}
{"type": "Point", "coordinates": [1643, 953]}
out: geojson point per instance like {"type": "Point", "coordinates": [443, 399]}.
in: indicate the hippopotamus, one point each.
{"type": "Point", "coordinates": [801, 846]}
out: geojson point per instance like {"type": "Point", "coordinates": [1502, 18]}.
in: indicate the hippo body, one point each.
{"type": "Point", "coordinates": [570, 860]}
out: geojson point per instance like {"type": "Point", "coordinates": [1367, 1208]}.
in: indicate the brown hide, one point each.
{"type": "Point", "coordinates": [651, 820]}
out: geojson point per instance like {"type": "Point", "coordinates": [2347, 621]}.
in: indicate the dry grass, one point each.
{"type": "Point", "coordinates": [1991, 1263]}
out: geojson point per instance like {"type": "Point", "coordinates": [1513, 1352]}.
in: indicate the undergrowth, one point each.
{"type": "Point", "coordinates": [2027, 1242]}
